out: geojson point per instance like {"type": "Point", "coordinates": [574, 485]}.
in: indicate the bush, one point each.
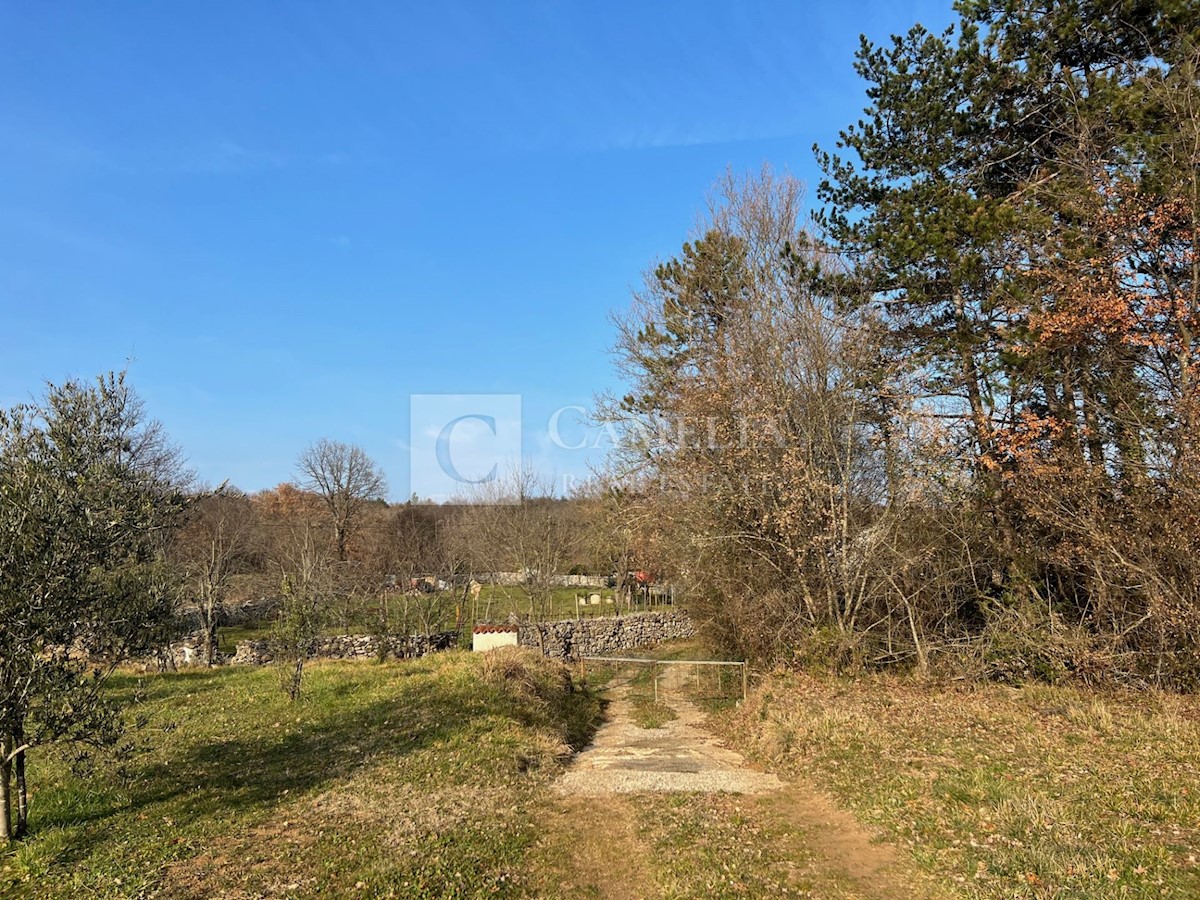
{"type": "Point", "coordinates": [541, 690]}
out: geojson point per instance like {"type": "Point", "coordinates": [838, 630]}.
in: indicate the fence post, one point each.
{"type": "Point", "coordinates": [745, 681]}
{"type": "Point", "coordinates": [654, 675]}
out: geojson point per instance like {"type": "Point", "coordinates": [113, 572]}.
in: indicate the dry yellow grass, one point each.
{"type": "Point", "coordinates": [1002, 792]}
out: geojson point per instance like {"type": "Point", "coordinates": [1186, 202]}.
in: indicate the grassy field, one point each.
{"type": "Point", "coordinates": [1001, 792]}
{"type": "Point", "coordinates": [647, 712]}
{"type": "Point", "coordinates": [429, 778]}
{"type": "Point", "coordinates": [410, 779]}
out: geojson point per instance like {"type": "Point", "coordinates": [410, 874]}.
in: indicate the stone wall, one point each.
{"type": "Point", "coordinates": [608, 635]}
{"type": "Point", "coordinates": [600, 636]}
{"type": "Point", "coordinates": [512, 578]}
{"type": "Point", "coordinates": [187, 650]}
{"type": "Point", "coordinates": [351, 646]}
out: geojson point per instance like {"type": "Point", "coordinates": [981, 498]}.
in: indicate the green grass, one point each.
{"type": "Point", "coordinates": [1036, 792]}
{"type": "Point", "coordinates": [716, 690]}
{"type": "Point", "coordinates": [647, 712]}
{"type": "Point", "coordinates": [407, 779]}
{"type": "Point", "coordinates": [706, 847]}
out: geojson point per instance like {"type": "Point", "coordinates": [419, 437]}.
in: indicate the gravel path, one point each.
{"type": "Point", "coordinates": [680, 756]}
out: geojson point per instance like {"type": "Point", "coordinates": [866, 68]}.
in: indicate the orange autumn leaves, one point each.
{"type": "Point", "coordinates": [1128, 279]}
{"type": "Point", "coordinates": [1101, 300]}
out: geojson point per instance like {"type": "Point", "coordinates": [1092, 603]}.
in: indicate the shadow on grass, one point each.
{"type": "Point", "coordinates": [272, 752]}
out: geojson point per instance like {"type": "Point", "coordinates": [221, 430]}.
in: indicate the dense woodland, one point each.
{"type": "Point", "coordinates": [952, 418]}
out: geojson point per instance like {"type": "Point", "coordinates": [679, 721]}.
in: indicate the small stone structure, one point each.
{"type": "Point", "coordinates": [489, 637]}
{"type": "Point", "coordinates": [604, 636]}
{"type": "Point", "coordinates": [188, 650]}
{"type": "Point", "coordinates": [352, 646]}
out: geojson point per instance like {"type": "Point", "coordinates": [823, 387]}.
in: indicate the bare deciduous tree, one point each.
{"type": "Point", "coordinates": [513, 524]}
{"type": "Point", "coordinates": [212, 549]}
{"type": "Point", "coordinates": [308, 592]}
{"type": "Point", "coordinates": [346, 479]}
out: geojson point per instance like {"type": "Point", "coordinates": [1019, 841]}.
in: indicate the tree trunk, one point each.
{"type": "Point", "coordinates": [981, 432]}
{"type": "Point", "coordinates": [22, 825]}
{"type": "Point", "coordinates": [922, 658]}
{"type": "Point", "coordinates": [295, 676]}
{"type": "Point", "coordinates": [1093, 440]}
{"type": "Point", "coordinates": [6, 830]}
{"type": "Point", "coordinates": [1124, 403]}
{"type": "Point", "coordinates": [210, 638]}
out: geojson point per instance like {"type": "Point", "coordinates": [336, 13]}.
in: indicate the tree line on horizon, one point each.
{"type": "Point", "coordinates": [404, 568]}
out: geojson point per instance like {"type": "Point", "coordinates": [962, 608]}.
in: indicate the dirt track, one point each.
{"type": "Point", "coordinates": [605, 823]}
{"type": "Point", "coordinates": [680, 756]}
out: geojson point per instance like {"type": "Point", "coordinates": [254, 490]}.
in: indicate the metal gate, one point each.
{"type": "Point", "coordinates": [743, 665]}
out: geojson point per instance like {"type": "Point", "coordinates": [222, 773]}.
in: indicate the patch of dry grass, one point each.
{"type": "Point", "coordinates": [1004, 792]}
{"type": "Point", "coordinates": [727, 845]}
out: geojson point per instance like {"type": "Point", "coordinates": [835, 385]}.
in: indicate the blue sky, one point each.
{"type": "Point", "coordinates": [291, 217]}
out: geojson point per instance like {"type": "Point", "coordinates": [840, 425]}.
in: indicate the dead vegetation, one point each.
{"type": "Point", "coordinates": [1000, 791]}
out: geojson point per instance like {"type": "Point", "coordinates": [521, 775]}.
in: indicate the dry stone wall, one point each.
{"type": "Point", "coordinates": [606, 636]}
{"type": "Point", "coordinates": [599, 636]}
{"type": "Point", "coordinates": [352, 646]}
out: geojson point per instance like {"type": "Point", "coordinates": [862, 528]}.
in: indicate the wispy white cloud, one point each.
{"type": "Point", "coordinates": [667, 136]}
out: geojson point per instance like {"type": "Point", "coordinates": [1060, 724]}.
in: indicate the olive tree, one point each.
{"type": "Point", "coordinates": [88, 490]}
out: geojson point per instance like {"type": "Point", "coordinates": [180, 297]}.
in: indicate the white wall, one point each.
{"type": "Point", "coordinates": [490, 640]}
